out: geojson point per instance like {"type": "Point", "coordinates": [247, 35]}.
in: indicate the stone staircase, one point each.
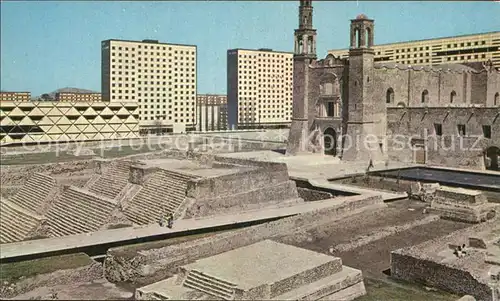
{"type": "Point", "coordinates": [16, 222]}
{"type": "Point", "coordinates": [163, 193]}
{"type": "Point", "coordinates": [78, 211]}
{"type": "Point", "coordinates": [210, 285]}
{"type": "Point", "coordinates": [112, 181]}
{"type": "Point", "coordinates": [35, 192]}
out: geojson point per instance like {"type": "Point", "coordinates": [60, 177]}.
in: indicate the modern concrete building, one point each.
{"type": "Point", "coordinates": [211, 112]}
{"type": "Point", "coordinates": [459, 49]}
{"type": "Point", "coordinates": [161, 77]}
{"type": "Point", "coordinates": [259, 85]}
{"type": "Point", "coordinates": [15, 96]}
{"type": "Point", "coordinates": [50, 121]}
{"type": "Point", "coordinates": [77, 97]}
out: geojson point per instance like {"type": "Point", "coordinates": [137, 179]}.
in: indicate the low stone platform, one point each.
{"type": "Point", "coordinates": [192, 167]}
{"type": "Point", "coordinates": [462, 205]}
{"type": "Point", "coordinates": [437, 263]}
{"type": "Point", "coordinates": [261, 271]}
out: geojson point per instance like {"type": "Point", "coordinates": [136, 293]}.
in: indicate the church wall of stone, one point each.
{"type": "Point", "coordinates": [408, 85]}
{"type": "Point", "coordinates": [390, 78]}
{"type": "Point", "coordinates": [449, 149]}
{"type": "Point", "coordinates": [493, 87]}
{"type": "Point", "coordinates": [453, 82]}
{"type": "Point", "coordinates": [479, 88]}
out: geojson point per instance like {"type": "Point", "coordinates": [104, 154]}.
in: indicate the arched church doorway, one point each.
{"type": "Point", "coordinates": [491, 157]}
{"type": "Point", "coordinates": [330, 139]}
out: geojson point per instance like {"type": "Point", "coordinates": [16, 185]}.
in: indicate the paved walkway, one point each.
{"type": "Point", "coordinates": [40, 246]}
{"type": "Point", "coordinates": [385, 194]}
{"type": "Point", "coordinates": [314, 166]}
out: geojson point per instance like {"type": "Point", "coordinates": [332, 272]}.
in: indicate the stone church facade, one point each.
{"type": "Point", "coordinates": [362, 110]}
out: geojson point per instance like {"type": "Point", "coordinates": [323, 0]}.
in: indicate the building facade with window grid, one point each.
{"type": "Point", "coordinates": [459, 49]}
{"type": "Point", "coordinates": [211, 112]}
{"type": "Point", "coordinates": [260, 88]}
{"type": "Point", "coordinates": [77, 97]}
{"type": "Point", "coordinates": [161, 77]}
{"type": "Point", "coordinates": [15, 96]}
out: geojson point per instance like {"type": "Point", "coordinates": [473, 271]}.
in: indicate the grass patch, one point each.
{"type": "Point", "coordinates": [397, 290]}
{"type": "Point", "coordinates": [131, 251]}
{"type": "Point", "coordinates": [13, 271]}
{"type": "Point", "coordinates": [39, 158]}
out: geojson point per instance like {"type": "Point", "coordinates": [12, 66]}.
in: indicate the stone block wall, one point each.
{"type": "Point", "coordinates": [460, 195]}
{"type": "Point", "coordinates": [311, 195]}
{"type": "Point", "coordinates": [427, 272]}
{"type": "Point", "coordinates": [250, 198]}
{"type": "Point", "coordinates": [306, 277]}
{"type": "Point", "coordinates": [234, 183]}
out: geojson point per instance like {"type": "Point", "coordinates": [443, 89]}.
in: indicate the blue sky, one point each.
{"type": "Point", "coordinates": [46, 45]}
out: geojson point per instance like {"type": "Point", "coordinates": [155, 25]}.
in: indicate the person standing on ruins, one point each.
{"type": "Point", "coordinates": [170, 220]}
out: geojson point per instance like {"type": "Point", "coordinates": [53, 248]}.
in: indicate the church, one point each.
{"type": "Point", "coordinates": [362, 110]}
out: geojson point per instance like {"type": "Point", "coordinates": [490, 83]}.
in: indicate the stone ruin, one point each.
{"type": "Point", "coordinates": [461, 205]}
{"type": "Point", "coordinates": [424, 192]}
{"type": "Point", "coordinates": [435, 262]}
{"type": "Point", "coordinates": [266, 270]}
{"type": "Point", "coordinates": [140, 192]}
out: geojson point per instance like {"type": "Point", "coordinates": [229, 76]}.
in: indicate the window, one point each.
{"type": "Point", "coordinates": [331, 109]}
{"type": "Point", "coordinates": [438, 129]}
{"type": "Point", "coordinates": [496, 100]}
{"type": "Point", "coordinates": [453, 95]}
{"type": "Point", "coordinates": [461, 129]}
{"type": "Point", "coordinates": [487, 131]}
{"type": "Point", "coordinates": [425, 96]}
{"type": "Point", "coordinates": [389, 96]}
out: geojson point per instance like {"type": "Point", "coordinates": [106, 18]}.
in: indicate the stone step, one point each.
{"type": "Point", "coordinates": [16, 222]}
{"type": "Point", "coordinates": [323, 287]}
{"type": "Point", "coordinates": [78, 212]}
{"type": "Point", "coordinates": [68, 223]}
{"type": "Point", "coordinates": [32, 195]}
{"type": "Point", "coordinates": [208, 290]}
{"type": "Point", "coordinates": [74, 217]}
{"type": "Point", "coordinates": [221, 285]}
{"type": "Point", "coordinates": [162, 192]}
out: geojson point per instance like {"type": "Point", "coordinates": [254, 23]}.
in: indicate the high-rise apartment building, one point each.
{"type": "Point", "coordinates": [15, 96]}
{"type": "Point", "coordinates": [160, 77]}
{"type": "Point", "coordinates": [451, 50]}
{"type": "Point", "coordinates": [259, 88]}
{"type": "Point", "coordinates": [211, 112]}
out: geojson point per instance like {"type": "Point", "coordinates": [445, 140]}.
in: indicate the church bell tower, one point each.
{"type": "Point", "coordinates": [367, 116]}
{"type": "Point", "coordinates": [304, 54]}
